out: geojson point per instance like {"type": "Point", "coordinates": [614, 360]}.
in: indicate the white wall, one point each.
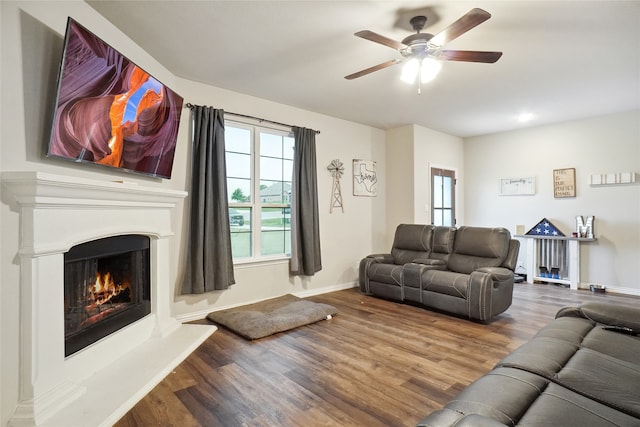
{"type": "Point", "coordinates": [411, 150]}
{"type": "Point", "coordinates": [32, 37]}
{"type": "Point", "coordinates": [603, 144]}
{"type": "Point", "coordinates": [345, 237]}
{"type": "Point", "coordinates": [437, 149]}
{"type": "Point", "coordinates": [399, 184]}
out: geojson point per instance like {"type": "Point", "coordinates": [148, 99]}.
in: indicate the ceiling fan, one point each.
{"type": "Point", "coordinates": [423, 51]}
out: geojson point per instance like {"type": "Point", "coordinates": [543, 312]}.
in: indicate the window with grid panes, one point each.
{"type": "Point", "coordinates": [259, 172]}
{"type": "Point", "coordinates": [443, 200]}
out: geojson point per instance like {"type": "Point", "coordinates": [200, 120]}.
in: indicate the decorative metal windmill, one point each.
{"type": "Point", "coordinates": [336, 169]}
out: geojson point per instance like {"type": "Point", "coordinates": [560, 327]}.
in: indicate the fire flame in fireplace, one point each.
{"type": "Point", "coordinates": [103, 298]}
{"type": "Point", "coordinates": [105, 290]}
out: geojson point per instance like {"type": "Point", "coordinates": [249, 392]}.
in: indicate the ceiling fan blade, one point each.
{"type": "Point", "coordinates": [473, 18]}
{"type": "Point", "coordinates": [375, 37]}
{"type": "Point", "coordinates": [469, 56]}
{"type": "Point", "coordinates": [371, 69]}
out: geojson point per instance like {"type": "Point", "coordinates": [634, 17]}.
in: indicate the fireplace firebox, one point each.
{"type": "Point", "coordinates": [106, 287]}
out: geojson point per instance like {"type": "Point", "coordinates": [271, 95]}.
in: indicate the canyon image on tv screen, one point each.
{"type": "Point", "coordinates": [111, 112]}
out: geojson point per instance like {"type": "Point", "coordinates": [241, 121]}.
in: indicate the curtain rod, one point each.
{"type": "Point", "coordinates": [260, 119]}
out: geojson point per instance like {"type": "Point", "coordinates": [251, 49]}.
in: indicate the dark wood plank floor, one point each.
{"type": "Point", "coordinates": [377, 363]}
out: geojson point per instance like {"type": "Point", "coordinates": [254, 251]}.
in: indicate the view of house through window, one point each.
{"type": "Point", "coordinates": [259, 172]}
{"type": "Point", "coordinates": [443, 190]}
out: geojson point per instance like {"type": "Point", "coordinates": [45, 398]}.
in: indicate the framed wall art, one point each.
{"type": "Point", "coordinates": [564, 183]}
{"type": "Point", "coordinates": [365, 178]}
{"type": "Point", "coordinates": [517, 186]}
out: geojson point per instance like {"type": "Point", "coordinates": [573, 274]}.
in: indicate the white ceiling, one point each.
{"type": "Point", "coordinates": [562, 60]}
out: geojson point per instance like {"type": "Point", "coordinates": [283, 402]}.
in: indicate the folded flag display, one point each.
{"type": "Point", "coordinates": [545, 228]}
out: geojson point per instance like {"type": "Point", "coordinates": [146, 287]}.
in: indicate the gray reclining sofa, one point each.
{"type": "Point", "coordinates": [583, 369]}
{"type": "Point", "coordinates": [467, 271]}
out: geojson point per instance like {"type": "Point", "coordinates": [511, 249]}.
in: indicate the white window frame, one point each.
{"type": "Point", "coordinates": [454, 200]}
{"type": "Point", "coordinates": [255, 203]}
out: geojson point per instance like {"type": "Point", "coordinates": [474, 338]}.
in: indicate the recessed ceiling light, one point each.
{"type": "Point", "coordinates": [526, 117]}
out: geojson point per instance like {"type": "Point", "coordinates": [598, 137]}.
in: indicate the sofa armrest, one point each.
{"type": "Point", "coordinates": [498, 274]}
{"type": "Point", "coordinates": [363, 275]}
{"type": "Point", "coordinates": [448, 417]}
{"type": "Point", "coordinates": [383, 258]}
{"type": "Point", "coordinates": [499, 397]}
{"type": "Point", "coordinates": [490, 292]}
{"type": "Point", "coordinates": [606, 314]}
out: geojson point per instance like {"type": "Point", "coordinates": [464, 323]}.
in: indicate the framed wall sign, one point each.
{"type": "Point", "coordinates": [517, 186]}
{"type": "Point", "coordinates": [564, 182]}
{"type": "Point", "coordinates": [365, 178]}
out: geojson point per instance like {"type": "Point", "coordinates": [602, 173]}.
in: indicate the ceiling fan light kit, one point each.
{"type": "Point", "coordinates": [422, 52]}
{"type": "Point", "coordinates": [429, 69]}
{"type": "Point", "coordinates": [426, 68]}
{"type": "Point", "coordinates": [410, 71]}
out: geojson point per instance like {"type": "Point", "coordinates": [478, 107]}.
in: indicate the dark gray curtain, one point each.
{"type": "Point", "coordinates": [305, 228]}
{"type": "Point", "coordinates": [209, 263]}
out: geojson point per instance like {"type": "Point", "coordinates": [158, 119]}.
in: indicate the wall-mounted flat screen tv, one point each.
{"type": "Point", "coordinates": [111, 112]}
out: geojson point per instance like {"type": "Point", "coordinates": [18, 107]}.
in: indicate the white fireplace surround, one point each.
{"type": "Point", "coordinates": [98, 384]}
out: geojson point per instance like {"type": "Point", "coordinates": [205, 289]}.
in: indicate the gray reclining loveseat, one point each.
{"type": "Point", "coordinates": [581, 370]}
{"type": "Point", "coordinates": [467, 271]}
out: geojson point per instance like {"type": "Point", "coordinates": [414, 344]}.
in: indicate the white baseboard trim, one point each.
{"type": "Point", "coordinates": [613, 289]}
{"type": "Point", "coordinates": [201, 314]}
{"type": "Point", "coordinates": [325, 290]}
{"type": "Point", "coordinates": [624, 291]}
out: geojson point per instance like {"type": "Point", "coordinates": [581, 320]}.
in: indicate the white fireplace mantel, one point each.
{"type": "Point", "coordinates": [56, 213]}
{"type": "Point", "coordinates": [47, 201]}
